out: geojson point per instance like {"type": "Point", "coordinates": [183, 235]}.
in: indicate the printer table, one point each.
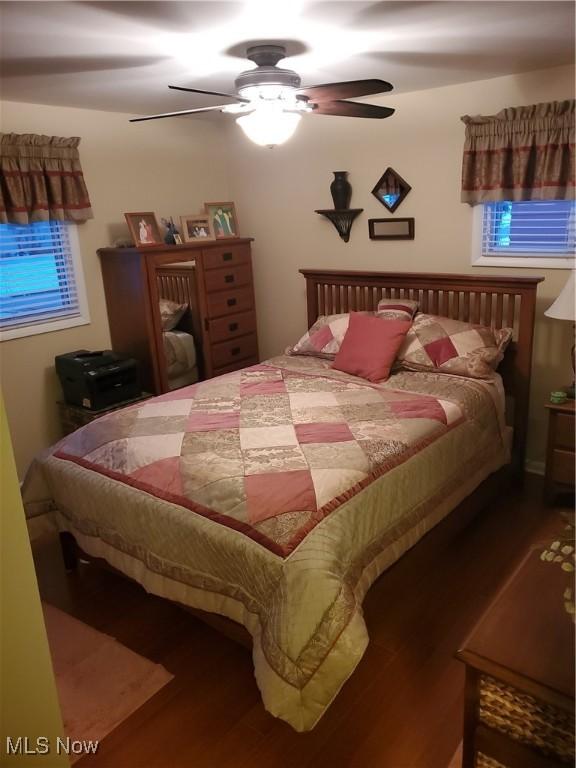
{"type": "Point", "coordinates": [72, 417]}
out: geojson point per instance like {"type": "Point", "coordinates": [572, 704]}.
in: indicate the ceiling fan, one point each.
{"type": "Point", "coordinates": [270, 101]}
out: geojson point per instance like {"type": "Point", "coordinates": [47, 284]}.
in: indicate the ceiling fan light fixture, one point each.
{"type": "Point", "coordinates": [269, 125]}
{"type": "Point", "coordinates": [269, 92]}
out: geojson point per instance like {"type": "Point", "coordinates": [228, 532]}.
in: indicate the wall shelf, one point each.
{"type": "Point", "coordinates": [342, 218]}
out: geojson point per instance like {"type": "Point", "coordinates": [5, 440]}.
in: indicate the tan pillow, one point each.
{"type": "Point", "coordinates": [443, 345]}
{"type": "Point", "coordinates": [171, 313]}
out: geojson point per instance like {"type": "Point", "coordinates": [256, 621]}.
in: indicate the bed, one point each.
{"type": "Point", "coordinates": [275, 495]}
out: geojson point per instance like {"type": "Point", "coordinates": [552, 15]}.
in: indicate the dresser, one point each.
{"type": "Point", "coordinates": [519, 699]}
{"type": "Point", "coordinates": [214, 279]}
{"type": "Point", "coordinates": [560, 456]}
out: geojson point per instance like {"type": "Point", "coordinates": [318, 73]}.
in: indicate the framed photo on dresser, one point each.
{"type": "Point", "coordinates": [222, 219]}
{"type": "Point", "coordinates": [197, 227]}
{"type": "Point", "coordinates": [144, 228]}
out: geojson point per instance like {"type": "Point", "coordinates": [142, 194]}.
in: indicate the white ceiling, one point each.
{"type": "Point", "coordinates": [120, 56]}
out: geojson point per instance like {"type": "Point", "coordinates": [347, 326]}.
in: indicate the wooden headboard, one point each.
{"type": "Point", "coordinates": [498, 302]}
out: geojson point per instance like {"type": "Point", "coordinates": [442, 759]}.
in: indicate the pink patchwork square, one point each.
{"type": "Point", "coordinates": [206, 422]}
{"type": "Point", "coordinates": [321, 338]}
{"type": "Point", "coordinates": [441, 350]}
{"type": "Point", "coordinates": [323, 432]}
{"type": "Point", "coordinates": [262, 387]}
{"type": "Point", "coordinates": [163, 475]}
{"type": "Point", "coordinates": [420, 408]}
{"type": "Point", "coordinates": [272, 494]}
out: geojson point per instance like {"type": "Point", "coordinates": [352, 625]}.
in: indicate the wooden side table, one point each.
{"type": "Point", "coordinates": [72, 417]}
{"type": "Point", "coordinates": [519, 699]}
{"type": "Point", "coordinates": [560, 456]}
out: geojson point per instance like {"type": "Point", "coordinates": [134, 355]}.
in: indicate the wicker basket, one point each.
{"type": "Point", "coordinates": [523, 718]}
{"type": "Point", "coordinates": [483, 761]}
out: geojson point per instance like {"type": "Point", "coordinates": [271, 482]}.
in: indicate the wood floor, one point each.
{"type": "Point", "coordinates": [402, 708]}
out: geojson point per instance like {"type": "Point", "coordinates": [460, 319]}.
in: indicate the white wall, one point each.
{"type": "Point", "coordinates": [170, 167]}
{"type": "Point", "coordinates": [276, 192]}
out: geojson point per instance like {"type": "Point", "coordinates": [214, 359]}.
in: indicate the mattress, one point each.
{"type": "Point", "coordinates": [275, 496]}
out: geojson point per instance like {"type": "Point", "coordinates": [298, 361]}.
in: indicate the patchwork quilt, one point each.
{"type": "Point", "coordinates": [275, 496]}
{"type": "Point", "coordinates": [267, 451]}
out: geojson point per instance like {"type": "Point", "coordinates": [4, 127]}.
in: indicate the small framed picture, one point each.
{"type": "Point", "coordinates": [223, 219]}
{"type": "Point", "coordinates": [144, 228]}
{"type": "Point", "coordinates": [196, 227]}
{"type": "Point", "coordinates": [391, 229]}
{"type": "Point", "coordinates": [177, 239]}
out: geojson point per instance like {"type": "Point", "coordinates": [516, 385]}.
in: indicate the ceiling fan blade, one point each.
{"type": "Point", "coordinates": [352, 89]}
{"type": "Point", "coordinates": [178, 114]}
{"type": "Point", "coordinates": [351, 109]}
{"type": "Point", "coordinates": [208, 93]}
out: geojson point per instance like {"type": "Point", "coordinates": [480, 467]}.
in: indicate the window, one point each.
{"type": "Point", "coordinates": [41, 282]}
{"type": "Point", "coordinates": [525, 234]}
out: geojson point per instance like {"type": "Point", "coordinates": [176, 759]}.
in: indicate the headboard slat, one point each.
{"type": "Point", "coordinates": [462, 297]}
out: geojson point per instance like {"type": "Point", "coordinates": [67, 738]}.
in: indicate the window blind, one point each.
{"type": "Point", "coordinates": [532, 228]}
{"type": "Point", "coordinates": [37, 276]}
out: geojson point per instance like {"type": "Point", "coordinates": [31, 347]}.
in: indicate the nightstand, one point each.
{"type": "Point", "coordinates": [560, 452]}
{"type": "Point", "coordinates": [519, 698]}
{"type": "Point", "coordinates": [72, 417]}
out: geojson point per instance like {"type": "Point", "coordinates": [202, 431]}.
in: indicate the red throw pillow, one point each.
{"type": "Point", "coordinates": [370, 346]}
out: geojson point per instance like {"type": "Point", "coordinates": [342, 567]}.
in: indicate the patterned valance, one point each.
{"type": "Point", "coordinates": [41, 179]}
{"type": "Point", "coordinates": [521, 153]}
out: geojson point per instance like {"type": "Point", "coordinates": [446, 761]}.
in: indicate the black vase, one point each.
{"type": "Point", "coordinates": [341, 190]}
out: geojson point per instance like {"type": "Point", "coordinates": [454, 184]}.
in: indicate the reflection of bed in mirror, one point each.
{"type": "Point", "coordinates": [180, 342]}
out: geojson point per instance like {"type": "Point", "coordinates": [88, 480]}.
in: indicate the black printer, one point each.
{"type": "Point", "coordinates": [97, 380]}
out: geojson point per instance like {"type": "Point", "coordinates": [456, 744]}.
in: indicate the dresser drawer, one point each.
{"type": "Point", "coordinates": [564, 431]}
{"type": "Point", "coordinates": [224, 279]}
{"type": "Point", "coordinates": [229, 327]}
{"type": "Point", "coordinates": [228, 352]}
{"type": "Point", "coordinates": [226, 256]}
{"type": "Point", "coordinates": [236, 366]}
{"type": "Point", "coordinates": [229, 302]}
{"type": "Point", "coordinates": [563, 466]}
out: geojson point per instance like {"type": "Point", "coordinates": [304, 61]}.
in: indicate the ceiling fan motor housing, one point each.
{"type": "Point", "coordinates": [266, 72]}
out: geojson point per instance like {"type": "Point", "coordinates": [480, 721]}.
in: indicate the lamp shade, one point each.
{"type": "Point", "coordinates": [563, 307]}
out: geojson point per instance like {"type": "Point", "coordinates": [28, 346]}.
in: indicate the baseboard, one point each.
{"type": "Point", "coordinates": [534, 467]}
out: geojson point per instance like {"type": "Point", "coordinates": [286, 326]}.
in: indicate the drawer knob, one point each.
{"type": "Point", "coordinates": [226, 257]}
{"type": "Point", "coordinates": [231, 302]}
{"type": "Point", "coordinates": [229, 279]}
{"type": "Point", "coordinates": [233, 327]}
{"type": "Point", "coordinates": [235, 351]}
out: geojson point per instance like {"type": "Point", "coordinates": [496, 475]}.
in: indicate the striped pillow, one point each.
{"type": "Point", "coordinates": [397, 309]}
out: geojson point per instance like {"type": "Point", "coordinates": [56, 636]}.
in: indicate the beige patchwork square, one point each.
{"type": "Point", "coordinates": [279, 458]}
{"type": "Point", "coordinates": [378, 430]}
{"type": "Point", "coordinates": [366, 411]}
{"type": "Point", "coordinates": [329, 483]}
{"type": "Point", "coordinates": [221, 441]}
{"type": "Point", "coordinates": [358, 396]}
{"type": "Point", "coordinates": [300, 400]}
{"type": "Point", "coordinates": [204, 469]}
{"type": "Point", "coordinates": [313, 415]}
{"type": "Point", "coordinates": [348, 455]}
{"type": "Point", "coordinates": [452, 411]}
{"type": "Point", "coordinates": [266, 437]}
{"type": "Point", "coordinates": [467, 342]}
